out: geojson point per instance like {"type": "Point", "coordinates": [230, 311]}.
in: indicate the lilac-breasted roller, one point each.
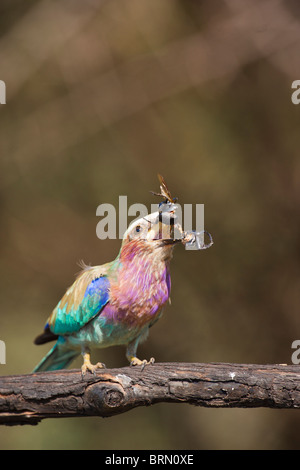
{"type": "Point", "coordinates": [116, 303]}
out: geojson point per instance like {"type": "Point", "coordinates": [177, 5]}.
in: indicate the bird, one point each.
{"type": "Point", "coordinates": [115, 303]}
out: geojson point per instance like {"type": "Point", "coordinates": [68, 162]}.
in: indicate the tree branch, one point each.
{"type": "Point", "coordinates": [27, 399]}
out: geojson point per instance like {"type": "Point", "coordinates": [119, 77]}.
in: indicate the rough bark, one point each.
{"type": "Point", "coordinates": [27, 399]}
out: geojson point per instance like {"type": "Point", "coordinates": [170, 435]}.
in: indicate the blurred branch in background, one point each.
{"type": "Point", "coordinates": [117, 89]}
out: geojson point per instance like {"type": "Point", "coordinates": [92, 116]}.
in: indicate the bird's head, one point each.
{"type": "Point", "coordinates": [156, 232]}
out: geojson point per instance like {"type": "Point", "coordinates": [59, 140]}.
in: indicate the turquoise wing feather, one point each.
{"type": "Point", "coordinates": [81, 303]}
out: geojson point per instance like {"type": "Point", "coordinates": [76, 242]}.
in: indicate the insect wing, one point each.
{"type": "Point", "coordinates": [164, 189]}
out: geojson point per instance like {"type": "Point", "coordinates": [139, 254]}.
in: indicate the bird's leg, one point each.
{"type": "Point", "coordinates": [87, 365]}
{"type": "Point", "coordinates": [131, 355]}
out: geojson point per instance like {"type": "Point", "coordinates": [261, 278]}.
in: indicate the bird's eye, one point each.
{"type": "Point", "coordinates": [138, 228]}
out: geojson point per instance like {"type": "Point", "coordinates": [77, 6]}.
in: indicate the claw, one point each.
{"type": "Point", "coordinates": [91, 367]}
{"type": "Point", "coordinates": [137, 362]}
{"type": "Point", "coordinates": [88, 366]}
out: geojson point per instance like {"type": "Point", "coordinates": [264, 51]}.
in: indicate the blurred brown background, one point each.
{"type": "Point", "coordinates": [103, 95]}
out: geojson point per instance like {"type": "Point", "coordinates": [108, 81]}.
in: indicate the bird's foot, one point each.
{"type": "Point", "coordinates": [138, 362]}
{"type": "Point", "coordinates": [88, 366]}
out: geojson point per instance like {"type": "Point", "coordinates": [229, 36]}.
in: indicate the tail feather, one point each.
{"type": "Point", "coordinates": [46, 336]}
{"type": "Point", "coordinates": [57, 358]}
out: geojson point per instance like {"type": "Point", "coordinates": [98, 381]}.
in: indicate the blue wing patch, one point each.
{"type": "Point", "coordinates": [68, 319]}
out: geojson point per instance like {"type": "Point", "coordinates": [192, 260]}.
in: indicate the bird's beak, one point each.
{"type": "Point", "coordinates": [170, 241]}
{"type": "Point", "coordinates": [166, 234]}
